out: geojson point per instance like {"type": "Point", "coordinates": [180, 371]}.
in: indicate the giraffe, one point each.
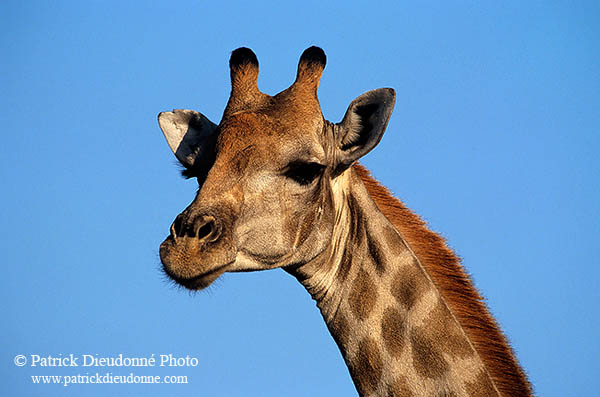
{"type": "Point", "coordinates": [280, 187]}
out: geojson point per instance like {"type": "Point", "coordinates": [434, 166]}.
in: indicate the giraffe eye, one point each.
{"type": "Point", "coordinates": [303, 173]}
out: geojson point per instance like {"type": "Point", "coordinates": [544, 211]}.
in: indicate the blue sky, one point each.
{"type": "Point", "coordinates": [494, 141]}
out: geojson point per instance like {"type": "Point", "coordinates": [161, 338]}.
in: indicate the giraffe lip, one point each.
{"type": "Point", "coordinates": [199, 281]}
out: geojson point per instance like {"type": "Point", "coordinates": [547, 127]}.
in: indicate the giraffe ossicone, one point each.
{"type": "Point", "coordinates": [279, 187]}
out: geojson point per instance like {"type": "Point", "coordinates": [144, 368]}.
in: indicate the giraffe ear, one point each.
{"type": "Point", "coordinates": [363, 125]}
{"type": "Point", "coordinates": [190, 135]}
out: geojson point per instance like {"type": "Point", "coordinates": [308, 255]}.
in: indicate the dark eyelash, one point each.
{"type": "Point", "coordinates": [188, 173]}
{"type": "Point", "coordinates": [303, 173]}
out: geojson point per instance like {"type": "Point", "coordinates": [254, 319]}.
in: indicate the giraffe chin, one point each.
{"type": "Point", "coordinates": [195, 283]}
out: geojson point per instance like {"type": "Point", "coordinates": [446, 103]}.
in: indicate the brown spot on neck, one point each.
{"type": "Point", "coordinates": [400, 388]}
{"type": "Point", "coordinates": [367, 367]}
{"type": "Point", "coordinates": [357, 231]}
{"type": "Point", "coordinates": [356, 237]}
{"type": "Point", "coordinates": [376, 254]}
{"type": "Point", "coordinates": [408, 286]}
{"type": "Point", "coordinates": [363, 296]}
{"type": "Point", "coordinates": [427, 358]}
{"type": "Point", "coordinates": [393, 331]}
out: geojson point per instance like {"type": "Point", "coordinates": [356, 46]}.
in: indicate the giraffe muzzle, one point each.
{"type": "Point", "coordinates": [197, 251]}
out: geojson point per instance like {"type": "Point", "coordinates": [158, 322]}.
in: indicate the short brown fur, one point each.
{"type": "Point", "coordinates": [427, 358]}
{"type": "Point", "coordinates": [444, 268]}
{"type": "Point", "coordinates": [441, 329]}
{"type": "Point", "coordinates": [363, 296]}
{"type": "Point", "coordinates": [368, 366]}
{"type": "Point", "coordinates": [479, 386]}
{"type": "Point", "coordinates": [393, 331]}
{"type": "Point", "coordinates": [406, 287]}
{"type": "Point", "coordinates": [400, 388]}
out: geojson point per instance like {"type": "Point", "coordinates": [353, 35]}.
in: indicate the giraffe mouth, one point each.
{"type": "Point", "coordinates": [199, 281]}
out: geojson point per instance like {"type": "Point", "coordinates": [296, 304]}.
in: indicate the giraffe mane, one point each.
{"type": "Point", "coordinates": [455, 285]}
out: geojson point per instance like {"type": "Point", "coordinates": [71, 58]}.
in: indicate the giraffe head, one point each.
{"type": "Point", "coordinates": [267, 173]}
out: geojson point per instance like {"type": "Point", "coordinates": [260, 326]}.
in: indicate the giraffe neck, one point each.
{"type": "Point", "coordinates": [392, 325]}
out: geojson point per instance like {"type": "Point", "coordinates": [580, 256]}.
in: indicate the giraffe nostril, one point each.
{"type": "Point", "coordinates": [176, 226]}
{"type": "Point", "coordinates": [188, 230]}
{"type": "Point", "coordinates": [206, 229]}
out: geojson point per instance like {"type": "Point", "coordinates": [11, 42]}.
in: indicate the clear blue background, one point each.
{"type": "Point", "coordinates": [494, 141]}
